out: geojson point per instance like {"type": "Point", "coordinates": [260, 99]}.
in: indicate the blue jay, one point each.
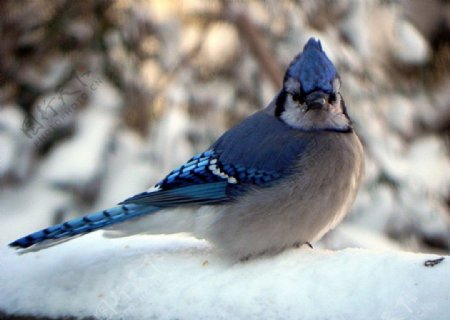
{"type": "Point", "coordinates": [282, 177]}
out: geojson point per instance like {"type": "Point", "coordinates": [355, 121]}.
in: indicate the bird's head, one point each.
{"type": "Point", "coordinates": [310, 98]}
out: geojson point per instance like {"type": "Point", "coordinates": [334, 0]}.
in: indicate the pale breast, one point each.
{"type": "Point", "coordinates": [331, 181]}
{"type": "Point", "coordinates": [297, 210]}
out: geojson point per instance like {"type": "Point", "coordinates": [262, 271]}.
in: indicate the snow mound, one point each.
{"type": "Point", "coordinates": [176, 277]}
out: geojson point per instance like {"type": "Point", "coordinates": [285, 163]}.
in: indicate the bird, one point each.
{"type": "Point", "coordinates": [281, 178]}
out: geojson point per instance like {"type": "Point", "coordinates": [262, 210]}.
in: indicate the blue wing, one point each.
{"type": "Point", "coordinates": [255, 154]}
{"type": "Point", "coordinates": [204, 179]}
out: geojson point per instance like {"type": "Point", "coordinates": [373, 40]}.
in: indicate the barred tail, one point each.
{"type": "Point", "coordinates": [82, 225]}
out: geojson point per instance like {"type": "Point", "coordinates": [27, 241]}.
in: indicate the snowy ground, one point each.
{"type": "Point", "coordinates": [175, 277]}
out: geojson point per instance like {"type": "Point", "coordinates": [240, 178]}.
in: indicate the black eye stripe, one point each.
{"type": "Point", "coordinates": [298, 97]}
{"type": "Point", "coordinates": [281, 99]}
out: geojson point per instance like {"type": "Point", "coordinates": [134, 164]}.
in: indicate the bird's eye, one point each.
{"type": "Point", "coordinates": [298, 98]}
{"type": "Point", "coordinates": [332, 98]}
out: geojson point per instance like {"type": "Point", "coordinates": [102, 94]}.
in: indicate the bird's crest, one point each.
{"type": "Point", "coordinates": [312, 68]}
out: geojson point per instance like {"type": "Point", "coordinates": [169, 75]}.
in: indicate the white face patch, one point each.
{"type": "Point", "coordinates": [293, 113]}
{"type": "Point", "coordinates": [298, 116]}
{"type": "Point", "coordinates": [292, 85]}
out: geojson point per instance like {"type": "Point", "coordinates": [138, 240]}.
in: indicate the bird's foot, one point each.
{"type": "Point", "coordinates": [299, 244]}
{"type": "Point", "coordinates": [245, 258]}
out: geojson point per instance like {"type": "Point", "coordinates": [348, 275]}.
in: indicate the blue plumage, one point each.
{"type": "Point", "coordinates": [313, 68]}
{"type": "Point", "coordinates": [263, 143]}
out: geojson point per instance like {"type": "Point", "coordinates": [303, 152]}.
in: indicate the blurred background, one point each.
{"type": "Point", "coordinates": [100, 99]}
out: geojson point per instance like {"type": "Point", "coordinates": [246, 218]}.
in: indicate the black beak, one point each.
{"type": "Point", "coordinates": [316, 100]}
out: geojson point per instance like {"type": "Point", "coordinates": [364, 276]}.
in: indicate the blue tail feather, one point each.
{"type": "Point", "coordinates": [82, 225]}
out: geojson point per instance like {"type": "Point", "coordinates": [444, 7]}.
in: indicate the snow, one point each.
{"type": "Point", "coordinates": [412, 48]}
{"type": "Point", "coordinates": [171, 130]}
{"type": "Point", "coordinates": [7, 155]}
{"type": "Point", "coordinates": [350, 235]}
{"type": "Point", "coordinates": [15, 147]}
{"type": "Point", "coordinates": [128, 170]}
{"type": "Point", "coordinates": [30, 208]}
{"type": "Point", "coordinates": [178, 277]}
{"type": "Point", "coordinates": [79, 160]}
